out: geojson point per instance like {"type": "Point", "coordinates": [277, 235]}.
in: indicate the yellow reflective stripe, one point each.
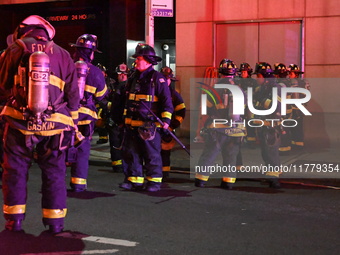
{"type": "Point", "coordinates": [279, 99]}
{"type": "Point", "coordinates": [179, 107]}
{"type": "Point", "coordinates": [138, 123]}
{"type": "Point", "coordinates": [42, 133]}
{"type": "Point", "coordinates": [56, 81]}
{"type": "Point", "coordinates": [154, 179]}
{"type": "Point", "coordinates": [237, 134]}
{"type": "Point", "coordinates": [109, 105]}
{"type": "Point", "coordinates": [298, 143]}
{"type": "Point", "coordinates": [61, 118]}
{"type": "Point", "coordinates": [166, 115]}
{"type": "Point", "coordinates": [166, 168]}
{"type": "Point", "coordinates": [136, 179]}
{"type": "Point", "coordinates": [90, 89]}
{"type": "Point", "coordinates": [13, 113]}
{"type": "Point", "coordinates": [101, 93]}
{"type": "Point", "coordinates": [80, 181]}
{"type": "Point", "coordinates": [202, 177]}
{"type": "Point", "coordinates": [267, 103]}
{"type": "Point", "coordinates": [132, 96]}
{"type": "Point", "coordinates": [117, 162]}
{"type": "Point", "coordinates": [274, 174]}
{"type": "Point", "coordinates": [252, 139]}
{"type": "Point", "coordinates": [54, 213]}
{"type": "Point", "coordinates": [229, 179]}
{"type": "Point", "coordinates": [138, 97]}
{"type": "Point", "coordinates": [103, 137]}
{"type": "Point", "coordinates": [14, 209]}
{"type": "Point", "coordinates": [55, 117]}
{"type": "Point", "coordinates": [87, 111]}
{"type": "Point", "coordinates": [74, 115]}
{"type": "Point", "coordinates": [128, 121]}
{"type": "Point", "coordinates": [125, 111]}
{"type": "Point", "coordinates": [287, 148]}
{"type": "Point", "coordinates": [84, 122]}
{"type": "Point", "coordinates": [179, 118]}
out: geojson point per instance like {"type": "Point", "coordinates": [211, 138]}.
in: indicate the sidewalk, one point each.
{"type": "Point", "coordinates": [311, 166]}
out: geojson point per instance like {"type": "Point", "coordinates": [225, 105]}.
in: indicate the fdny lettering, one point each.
{"type": "Point", "coordinates": [40, 127]}
{"type": "Point", "coordinates": [40, 47]}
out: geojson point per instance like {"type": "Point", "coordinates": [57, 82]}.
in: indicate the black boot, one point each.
{"type": "Point", "coordinates": [13, 225]}
{"type": "Point", "coordinates": [227, 185]}
{"type": "Point", "coordinates": [56, 229]}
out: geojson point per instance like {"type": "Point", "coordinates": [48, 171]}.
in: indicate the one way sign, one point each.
{"type": "Point", "coordinates": [162, 8]}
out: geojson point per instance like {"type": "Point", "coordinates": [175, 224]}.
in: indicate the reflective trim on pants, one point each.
{"type": "Point", "coordinates": [117, 163]}
{"type": "Point", "coordinates": [14, 209]}
{"type": "Point", "coordinates": [75, 180]}
{"type": "Point", "coordinates": [54, 213]}
{"type": "Point", "coordinates": [154, 179]}
{"type": "Point", "coordinates": [229, 179]}
{"type": "Point", "coordinates": [136, 179]}
{"type": "Point", "coordinates": [202, 177]}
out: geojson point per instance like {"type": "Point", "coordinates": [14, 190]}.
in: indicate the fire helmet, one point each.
{"type": "Point", "coordinates": [245, 67]}
{"type": "Point", "coordinates": [167, 72]}
{"type": "Point", "coordinates": [147, 52]}
{"type": "Point", "coordinates": [263, 68]}
{"type": "Point", "coordinates": [102, 67]}
{"type": "Point", "coordinates": [227, 67]}
{"type": "Point", "coordinates": [30, 22]}
{"type": "Point", "coordinates": [88, 41]}
{"type": "Point", "coordinates": [122, 68]}
{"type": "Point", "coordinates": [280, 70]}
{"type": "Point", "coordinates": [294, 68]}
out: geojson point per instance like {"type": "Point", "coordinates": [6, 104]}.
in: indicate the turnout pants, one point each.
{"type": "Point", "coordinates": [80, 169]}
{"type": "Point", "coordinates": [139, 154]}
{"type": "Point", "coordinates": [215, 144]}
{"type": "Point", "coordinates": [18, 155]}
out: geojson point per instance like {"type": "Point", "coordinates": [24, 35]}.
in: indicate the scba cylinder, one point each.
{"type": "Point", "coordinates": [38, 82]}
{"type": "Point", "coordinates": [81, 68]}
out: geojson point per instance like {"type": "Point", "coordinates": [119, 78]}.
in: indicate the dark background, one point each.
{"type": "Point", "coordinates": [113, 21]}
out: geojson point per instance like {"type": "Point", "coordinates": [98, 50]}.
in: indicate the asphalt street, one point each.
{"type": "Point", "coordinates": [181, 218]}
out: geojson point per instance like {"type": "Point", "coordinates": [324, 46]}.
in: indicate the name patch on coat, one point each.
{"type": "Point", "coordinates": [40, 127]}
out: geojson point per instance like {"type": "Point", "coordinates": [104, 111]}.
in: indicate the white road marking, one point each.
{"type": "Point", "coordinates": [113, 241]}
{"type": "Point", "coordinates": [98, 239]}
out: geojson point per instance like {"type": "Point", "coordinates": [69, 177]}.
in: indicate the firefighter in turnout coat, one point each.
{"type": "Point", "coordinates": [142, 141]}
{"type": "Point", "coordinates": [39, 115]}
{"type": "Point", "coordinates": [95, 90]}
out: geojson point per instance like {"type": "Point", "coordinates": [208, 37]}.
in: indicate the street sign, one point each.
{"type": "Point", "coordinates": [162, 8]}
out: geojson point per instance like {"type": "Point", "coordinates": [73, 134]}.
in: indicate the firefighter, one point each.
{"type": "Point", "coordinates": [115, 122]}
{"type": "Point", "coordinates": [146, 88]}
{"type": "Point", "coordinates": [178, 116]}
{"type": "Point", "coordinates": [95, 90]}
{"type": "Point", "coordinates": [269, 131]}
{"type": "Point", "coordinates": [246, 81]}
{"type": "Point", "coordinates": [280, 73]}
{"type": "Point", "coordinates": [297, 132]}
{"type": "Point", "coordinates": [29, 128]}
{"type": "Point", "coordinates": [222, 138]}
